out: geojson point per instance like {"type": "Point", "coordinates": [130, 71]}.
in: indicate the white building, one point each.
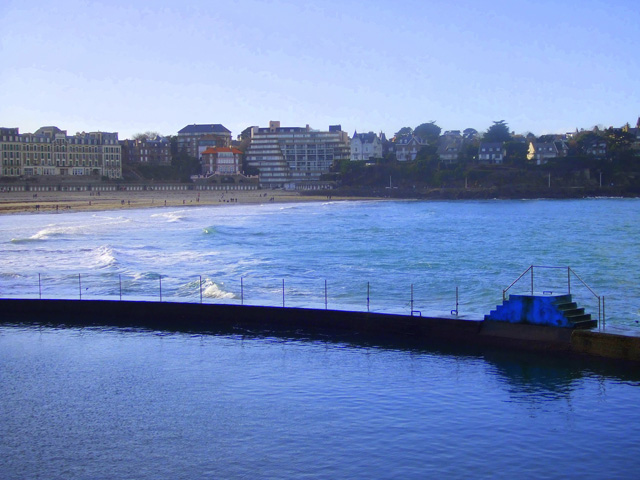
{"type": "Point", "coordinates": [294, 155]}
{"type": "Point", "coordinates": [365, 146]}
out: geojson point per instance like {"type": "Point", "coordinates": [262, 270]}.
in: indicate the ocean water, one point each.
{"type": "Point", "coordinates": [353, 255]}
{"type": "Point", "coordinates": [113, 403]}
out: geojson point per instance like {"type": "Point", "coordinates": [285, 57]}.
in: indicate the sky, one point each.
{"type": "Point", "coordinates": [131, 66]}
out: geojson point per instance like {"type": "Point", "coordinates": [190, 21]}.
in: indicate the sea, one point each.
{"type": "Point", "coordinates": [89, 403]}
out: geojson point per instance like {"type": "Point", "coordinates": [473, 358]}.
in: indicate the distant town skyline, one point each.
{"type": "Point", "coordinates": [375, 66]}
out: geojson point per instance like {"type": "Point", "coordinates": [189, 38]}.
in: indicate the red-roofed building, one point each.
{"type": "Point", "coordinates": [221, 161]}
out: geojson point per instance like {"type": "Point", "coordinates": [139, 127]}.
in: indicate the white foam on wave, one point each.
{"type": "Point", "coordinates": [171, 217]}
{"type": "Point", "coordinates": [289, 207]}
{"type": "Point", "coordinates": [213, 290]}
{"type": "Point", "coordinates": [70, 229]}
{"type": "Point", "coordinates": [105, 256]}
{"type": "Point", "coordinates": [56, 230]}
{"type": "Point", "coordinates": [24, 240]}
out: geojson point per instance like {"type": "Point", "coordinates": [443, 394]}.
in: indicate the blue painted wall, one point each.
{"type": "Point", "coordinates": [532, 309]}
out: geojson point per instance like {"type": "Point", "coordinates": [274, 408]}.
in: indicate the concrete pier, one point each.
{"type": "Point", "coordinates": [190, 317]}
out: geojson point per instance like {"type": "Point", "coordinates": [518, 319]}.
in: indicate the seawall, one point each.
{"type": "Point", "coordinates": [192, 317]}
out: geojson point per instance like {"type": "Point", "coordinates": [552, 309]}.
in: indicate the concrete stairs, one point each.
{"type": "Point", "coordinates": [551, 310]}
{"type": "Point", "coordinates": [576, 315]}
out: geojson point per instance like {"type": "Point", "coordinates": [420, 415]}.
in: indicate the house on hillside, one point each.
{"type": "Point", "coordinates": [407, 148]}
{"type": "Point", "coordinates": [365, 146]}
{"type": "Point", "coordinates": [635, 133]}
{"type": "Point", "coordinates": [450, 148]}
{"type": "Point", "coordinates": [596, 148]}
{"type": "Point", "coordinates": [541, 152]}
{"type": "Point", "coordinates": [491, 153]}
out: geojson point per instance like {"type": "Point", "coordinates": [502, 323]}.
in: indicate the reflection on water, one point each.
{"type": "Point", "coordinates": [126, 403]}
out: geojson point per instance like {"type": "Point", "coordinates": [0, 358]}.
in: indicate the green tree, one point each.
{"type": "Point", "coordinates": [498, 132]}
{"type": "Point", "coordinates": [404, 132]}
{"type": "Point", "coordinates": [249, 170]}
{"type": "Point", "coordinates": [428, 131]}
{"type": "Point", "coordinates": [469, 133]}
{"type": "Point", "coordinates": [185, 166]}
{"type": "Point", "coordinates": [517, 153]}
{"type": "Point", "coordinates": [149, 135]}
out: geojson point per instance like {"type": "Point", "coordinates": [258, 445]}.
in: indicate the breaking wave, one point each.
{"type": "Point", "coordinates": [212, 290]}
{"type": "Point", "coordinates": [171, 216]}
{"type": "Point", "coordinates": [104, 257]}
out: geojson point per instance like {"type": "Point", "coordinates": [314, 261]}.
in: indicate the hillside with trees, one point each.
{"type": "Point", "coordinates": [611, 169]}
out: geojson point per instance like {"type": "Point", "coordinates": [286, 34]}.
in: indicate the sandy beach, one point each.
{"type": "Point", "coordinates": [60, 202]}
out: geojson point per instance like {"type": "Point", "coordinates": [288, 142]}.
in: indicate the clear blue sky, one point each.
{"type": "Point", "coordinates": [129, 66]}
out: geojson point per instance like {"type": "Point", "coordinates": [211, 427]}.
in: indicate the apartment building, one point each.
{"type": "Point", "coordinates": [147, 151]}
{"type": "Point", "coordinates": [293, 156]}
{"type": "Point", "coordinates": [50, 152]}
{"type": "Point", "coordinates": [221, 161]}
{"type": "Point", "coordinates": [196, 138]}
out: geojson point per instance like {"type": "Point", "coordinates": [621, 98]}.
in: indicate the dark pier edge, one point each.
{"type": "Point", "coordinates": [193, 317]}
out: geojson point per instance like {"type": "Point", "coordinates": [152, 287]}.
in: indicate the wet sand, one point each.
{"type": "Point", "coordinates": [60, 202]}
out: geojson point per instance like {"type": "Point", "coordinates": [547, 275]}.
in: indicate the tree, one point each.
{"type": "Point", "coordinates": [185, 166]}
{"type": "Point", "coordinates": [249, 170]}
{"type": "Point", "coordinates": [517, 153]}
{"type": "Point", "coordinates": [404, 132]}
{"type": "Point", "coordinates": [469, 133]}
{"type": "Point", "coordinates": [428, 131]}
{"type": "Point", "coordinates": [498, 132]}
{"type": "Point", "coordinates": [149, 135]}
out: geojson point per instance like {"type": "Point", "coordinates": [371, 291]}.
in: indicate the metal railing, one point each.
{"type": "Point", "coordinates": [188, 288]}
{"type": "Point", "coordinates": [570, 272]}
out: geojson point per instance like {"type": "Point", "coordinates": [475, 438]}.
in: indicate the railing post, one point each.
{"type": "Point", "coordinates": [39, 287]}
{"type": "Point", "coordinates": [604, 317]}
{"type": "Point", "coordinates": [412, 299]}
{"type": "Point", "coordinates": [120, 281]}
{"type": "Point", "coordinates": [457, 309]}
{"type": "Point", "coordinates": [241, 291]}
{"type": "Point", "coordinates": [160, 279]}
{"type": "Point", "coordinates": [600, 312]}
{"type": "Point", "coordinates": [326, 298]}
{"type": "Point", "coordinates": [283, 293]}
{"type": "Point", "coordinates": [80, 286]}
{"type": "Point", "coordinates": [532, 280]}
{"type": "Point", "coordinates": [368, 299]}
{"type": "Point", "coordinates": [200, 288]}
{"type": "Point", "coordinates": [569, 279]}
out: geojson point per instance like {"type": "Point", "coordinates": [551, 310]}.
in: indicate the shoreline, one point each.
{"type": "Point", "coordinates": [82, 201]}
{"type": "Point", "coordinates": [62, 202]}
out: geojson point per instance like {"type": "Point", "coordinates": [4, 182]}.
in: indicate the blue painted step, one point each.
{"type": "Point", "coordinates": [551, 310]}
